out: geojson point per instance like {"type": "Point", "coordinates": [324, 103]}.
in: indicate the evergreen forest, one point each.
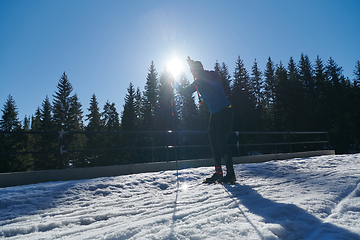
{"type": "Point", "coordinates": [301, 95]}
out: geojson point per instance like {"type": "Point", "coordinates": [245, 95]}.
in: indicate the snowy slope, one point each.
{"type": "Point", "coordinates": [312, 198]}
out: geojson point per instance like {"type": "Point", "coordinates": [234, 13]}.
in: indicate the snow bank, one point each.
{"type": "Point", "coordinates": [312, 198]}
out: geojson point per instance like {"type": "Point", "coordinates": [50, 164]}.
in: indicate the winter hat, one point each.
{"type": "Point", "coordinates": [195, 65]}
{"type": "Point", "coordinates": [198, 65]}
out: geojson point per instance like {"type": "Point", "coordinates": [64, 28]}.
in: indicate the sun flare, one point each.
{"type": "Point", "coordinates": [184, 187]}
{"type": "Point", "coordinates": [175, 66]}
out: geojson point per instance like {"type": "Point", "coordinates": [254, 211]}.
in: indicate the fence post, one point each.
{"type": "Point", "coordinates": [167, 145]}
{"type": "Point", "coordinates": [289, 142]}
{"type": "Point", "coordinates": [237, 143]}
{"type": "Point", "coordinates": [328, 142]}
{"type": "Point", "coordinates": [61, 133]}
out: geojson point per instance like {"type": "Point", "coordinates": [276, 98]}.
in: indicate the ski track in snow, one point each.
{"type": "Point", "coordinates": [311, 198]}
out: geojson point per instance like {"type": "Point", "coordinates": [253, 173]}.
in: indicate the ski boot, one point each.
{"type": "Point", "coordinates": [230, 177]}
{"type": "Point", "coordinates": [217, 177]}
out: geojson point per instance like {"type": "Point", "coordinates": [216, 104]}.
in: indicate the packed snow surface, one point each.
{"type": "Point", "coordinates": [311, 198]}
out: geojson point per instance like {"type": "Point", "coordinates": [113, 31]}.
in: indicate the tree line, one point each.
{"type": "Point", "coordinates": [298, 96]}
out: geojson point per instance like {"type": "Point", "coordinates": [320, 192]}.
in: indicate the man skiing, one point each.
{"type": "Point", "coordinates": [221, 118]}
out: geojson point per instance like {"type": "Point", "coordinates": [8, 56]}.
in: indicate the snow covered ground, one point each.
{"type": "Point", "coordinates": [312, 198]}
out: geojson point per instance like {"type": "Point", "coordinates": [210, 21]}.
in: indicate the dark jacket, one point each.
{"type": "Point", "coordinates": [211, 91]}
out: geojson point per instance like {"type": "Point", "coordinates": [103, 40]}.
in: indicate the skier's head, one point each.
{"type": "Point", "coordinates": [196, 67]}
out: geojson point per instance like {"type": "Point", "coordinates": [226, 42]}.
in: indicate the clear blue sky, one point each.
{"type": "Point", "coordinates": [104, 45]}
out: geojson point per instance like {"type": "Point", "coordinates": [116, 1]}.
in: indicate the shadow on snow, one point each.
{"type": "Point", "coordinates": [295, 222]}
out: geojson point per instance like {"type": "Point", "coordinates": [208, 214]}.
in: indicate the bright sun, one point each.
{"type": "Point", "coordinates": [174, 66]}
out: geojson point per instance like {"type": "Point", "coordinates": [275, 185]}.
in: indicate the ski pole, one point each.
{"type": "Point", "coordinates": [173, 127]}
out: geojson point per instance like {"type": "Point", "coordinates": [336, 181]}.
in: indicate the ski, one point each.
{"type": "Point", "coordinates": [216, 182]}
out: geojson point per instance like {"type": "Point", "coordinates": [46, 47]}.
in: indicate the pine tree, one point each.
{"type": "Point", "coordinates": [281, 106]}
{"type": "Point", "coordinates": [75, 141]}
{"type": "Point", "coordinates": [36, 120]}
{"type": "Point", "coordinates": [130, 119]}
{"type": "Point", "coordinates": [225, 78]}
{"type": "Point", "coordinates": [25, 143]}
{"type": "Point", "coordinates": [76, 114]}
{"type": "Point", "coordinates": [43, 121]}
{"type": "Point", "coordinates": [9, 120]}
{"type": "Point", "coordinates": [357, 74]}
{"type": "Point", "coordinates": [295, 98]}
{"type": "Point", "coordinates": [269, 74]}
{"type": "Point", "coordinates": [10, 143]}
{"type": "Point", "coordinates": [164, 117]}
{"type": "Point", "coordinates": [93, 141]}
{"type": "Point", "coordinates": [333, 72]}
{"type": "Point", "coordinates": [150, 98]}
{"type": "Point", "coordinates": [110, 117]}
{"type": "Point", "coordinates": [333, 77]}
{"type": "Point", "coordinates": [139, 109]}
{"type": "Point", "coordinates": [320, 77]}
{"type": "Point", "coordinates": [61, 104]}
{"type": "Point", "coordinates": [322, 108]}
{"type": "Point", "coordinates": [256, 89]}
{"type": "Point", "coordinates": [68, 116]}
{"type": "Point", "coordinates": [150, 107]}
{"type": "Point", "coordinates": [94, 117]}
{"type": "Point", "coordinates": [306, 75]}
{"type": "Point", "coordinates": [26, 123]}
{"type": "Point", "coordinates": [241, 98]}
{"type": "Point", "coordinates": [217, 68]}
{"type": "Point", "coordinates": [256, 85]}
{"type": "Point", "coordinates": [38, 140]}
{"type": "Point", "coordinates": [128, 116]}
{"type": "Point", "coordinates": [46, 118]}
{"type": "Point", "coordinates": [356, 105]}
{"type": "Point", "coordinates": [337, 100]}
{"type": "Point", "coordinates": [306, 78]}
{"type": "Point", "coordinates": [269, 95]}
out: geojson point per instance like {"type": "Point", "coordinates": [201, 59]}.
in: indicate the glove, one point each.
{"type": "Point", "coordinates": [190, 62]}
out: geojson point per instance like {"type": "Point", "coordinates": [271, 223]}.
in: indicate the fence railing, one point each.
{"type": "Point", "coordinates": [288, 139]}
{"type": "Point", "coordinates": [175, 143]}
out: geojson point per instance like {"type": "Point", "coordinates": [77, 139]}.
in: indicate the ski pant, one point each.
{"type": "Point", "coordinates": [220, 125]}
